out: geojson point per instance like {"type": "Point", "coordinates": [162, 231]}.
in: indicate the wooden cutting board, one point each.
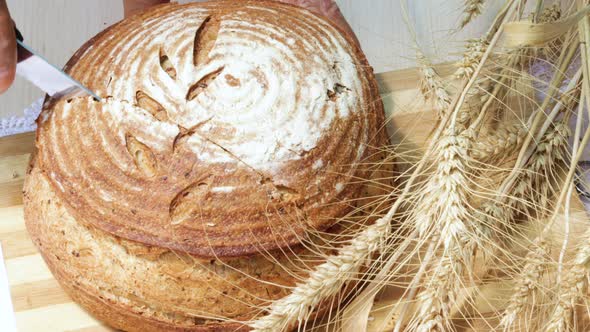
{"type": "Point", "coordinates": [39, 302]}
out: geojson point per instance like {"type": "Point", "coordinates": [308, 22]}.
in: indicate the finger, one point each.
{"type": "Point", "coordinates": [7, 48]}
{"type": "Point", "coordinates": [131, 7]}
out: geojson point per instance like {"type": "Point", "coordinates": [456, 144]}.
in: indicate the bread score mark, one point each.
{"type": "Point", "coordinates": [144, 101]}
{"type": "Point", "coordinates": [202, 84]}
{"type": "Point", "coordinates": [184, 204]}
{"type": "Point", "coordinates": [167, 65]}
{"type": "Point", "coordinates": [142, 156]}
{"type": "Point", "coordinates": [205, 38]}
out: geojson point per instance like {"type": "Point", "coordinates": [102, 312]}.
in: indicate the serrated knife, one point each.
{"type": "Point", "coordinates": [47, 77]}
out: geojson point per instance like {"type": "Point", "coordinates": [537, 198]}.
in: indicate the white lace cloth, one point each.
{"type": "Point", "coordinates": [21, 124]}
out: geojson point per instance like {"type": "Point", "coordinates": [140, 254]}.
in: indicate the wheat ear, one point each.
{"type": "Point", "coordinates": [527, 284]}
{"type": "Point", "coordinates": [500, 143]}
{"type": "Point", "coordinates": [326, 280]}
{"type": "Point", "coordinates": [534, 186]}
{"type": "Point", "coordinates": [550, 14]}
{"type": "Point", "coordinates": [448, 189]}
{"type": "Point", "coordinates": [440, 293]}
{"type": "Point", "coordinates": [572, 288]}
{"type": "Point", "coordinates": [475, 49]}
{"type": "Point", "coordinates": [496, 216]}
{"type": "Point", "coordinates": [471, 10]}
{"type": "Point", "coordinates": [432, 86]}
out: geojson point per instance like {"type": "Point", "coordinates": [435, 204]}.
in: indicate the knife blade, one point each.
{"type": "Point", "coordinates": [47, 77]}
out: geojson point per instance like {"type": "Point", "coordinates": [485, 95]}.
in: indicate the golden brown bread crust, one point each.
{"type": "Point", "coordinates": [146, 178]}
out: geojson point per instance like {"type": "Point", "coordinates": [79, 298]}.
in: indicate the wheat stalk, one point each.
{"type": "Point", "coordinates": [538, 121]}
{"type": "Point", "coordinates": [439, 294]}
{"type": "Point", "coordinates": [471, 9]}
{"type": "Point", "coordinates": [325, 281]}
{"type": "Point", "coordinates": [573, 287]}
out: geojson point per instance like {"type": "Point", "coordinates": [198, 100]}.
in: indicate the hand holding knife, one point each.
{"type": "Point", "coordinates": [46, 76]}
{"type": "Point", "coordinates": [30, 65]}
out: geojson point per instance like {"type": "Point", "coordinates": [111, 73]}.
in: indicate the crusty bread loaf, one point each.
{"type": "Point", "coordinates": [228, 131]}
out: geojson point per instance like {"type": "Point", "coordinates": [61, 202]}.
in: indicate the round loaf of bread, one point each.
{"type": "Point", "coordinates": [228, 133]}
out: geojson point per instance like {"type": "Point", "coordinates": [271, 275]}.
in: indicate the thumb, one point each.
{"type": "Point", "coordinates": [7, 48]}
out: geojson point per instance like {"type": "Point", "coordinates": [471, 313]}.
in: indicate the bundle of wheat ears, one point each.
{"type": "Point", "coordinates": [484, 228]}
